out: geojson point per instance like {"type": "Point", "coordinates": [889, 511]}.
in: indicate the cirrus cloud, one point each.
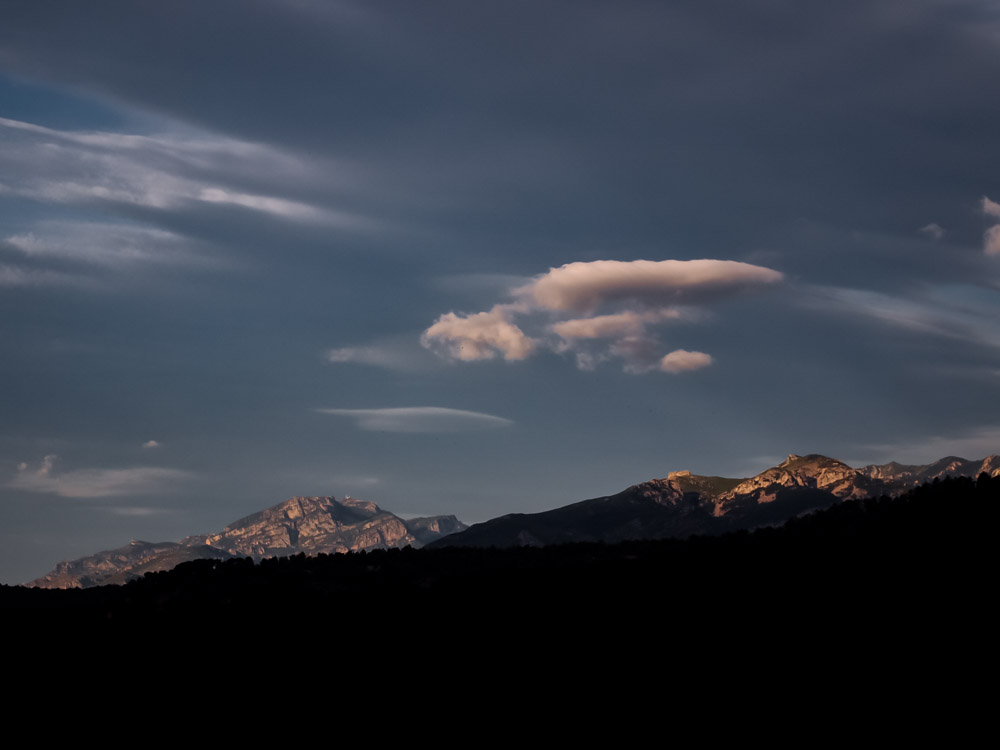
{"type": "Point", "coordinates": [91, 483]}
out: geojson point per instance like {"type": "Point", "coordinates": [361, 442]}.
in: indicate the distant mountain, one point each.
{"type": "Point", "coordinates": [312, 525]}
{"type": "Point", "coordinates": [684, 504]}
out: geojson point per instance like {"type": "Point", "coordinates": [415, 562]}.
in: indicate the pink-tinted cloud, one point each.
{"type": "Point", "coordinates": [635, 296]}
{"type": "Point", "coordinates": [991, 208]}
{"type": "Point", "coordinates": [479, 336]}
{"type": "Point", "coordinates": [681, 360]}
{"type": "Point", "coordinates": [628, 323]}
{"type": "Point", "coordinates": [583, 287]}
{"type": "Point", "coordinates": [991, 241]}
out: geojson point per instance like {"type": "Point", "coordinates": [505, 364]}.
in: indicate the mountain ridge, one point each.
{"type": "Point", "coordinates": [684, 504]}
{"type": "Point", "coordinates": [680, 505]}
{"type": "Point", "coordinates": [306, 524]}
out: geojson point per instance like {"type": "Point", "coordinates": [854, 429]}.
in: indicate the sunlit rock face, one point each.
{"type": "Point", "coordinates": [314, 525]}
{"type": "Point", "coordinates": [900, 476]}
{"type": "Point", "coordinates": [311, 525]}
{"type": "Point", "coordinates": [121, 565]}
{"type": "Point", "coordinates": [812, 471]}
{"type": "Point", "coordinates": [678, 506]}
{"type": "Point", "coordinates": [683, 503]}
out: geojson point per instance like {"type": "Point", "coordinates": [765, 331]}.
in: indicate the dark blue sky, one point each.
{"type": "Point", "coordinates": [480, 258]}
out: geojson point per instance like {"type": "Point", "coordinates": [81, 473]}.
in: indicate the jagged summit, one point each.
{"type": "Point", "coordinates": [684, 503]}
{"type": "Point", "coordinates": [312, 525]}
{"type": "Point", "coordinates": [677, 506]}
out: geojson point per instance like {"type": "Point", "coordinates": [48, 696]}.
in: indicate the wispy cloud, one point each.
{"type": "Point", "coordinates": [934, 231]}
{"type": "Point", "coordinates": [90, 483]}
{"type": "Point", "coordinates": [934, 316]}
{"type": "Point", "coordinates": [105, 244]}
{"type": "Point", "coordinates": [151, 444]}
{"type": "Point", "coordinates": [420, 419]}
{"type": "Point", "coordinates": [991, 208]}
{"type": "Point", "coordinates": [23, 276]}
{"type": "Point", "coordinates": [161, 172]}
{"type": "Point", "coordinates": [395, 353]}
{"type": "Point", "coordinates": [135, 511]}
{"type": "Point", "coordinates": [615, 302]}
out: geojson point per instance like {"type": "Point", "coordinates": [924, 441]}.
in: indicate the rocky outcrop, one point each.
{"type": "Point", "coordinates": [122, 565]}
{"type": "Point", "coordinates": [901, 476]}
{"type": "Point", "coordinates": [807, 472]}
{"type": "Point", "coordinates": [312, 525]}
{"type": "Point", "coordinates": [428, 528]}
{"type": "Point", "coordinates": [683, 503]}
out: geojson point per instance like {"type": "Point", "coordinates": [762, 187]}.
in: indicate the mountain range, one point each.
{"type": "Point", "coordinates": [312, 525]}
{"type": "Point", "coordinates": [678, 506]}
{"type": "Point", "coordinates": [684, 504]}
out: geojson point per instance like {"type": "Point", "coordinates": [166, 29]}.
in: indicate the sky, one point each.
{"type": "Point", "coordinates": [481, 258]}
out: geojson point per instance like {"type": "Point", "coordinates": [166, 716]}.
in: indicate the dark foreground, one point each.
{"type": "Point", "coordinates": [843, 613]}
{"type": "Point", "coordinates": [928, 556]}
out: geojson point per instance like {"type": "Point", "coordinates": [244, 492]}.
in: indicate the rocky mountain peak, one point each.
{"type": "Point", "coordinates": [991, 465]}
{"type": "Point", "coordinates": [310, 524]}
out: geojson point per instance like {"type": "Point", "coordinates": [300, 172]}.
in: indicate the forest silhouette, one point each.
{"type": "Point", "coordinates": [926, 555]}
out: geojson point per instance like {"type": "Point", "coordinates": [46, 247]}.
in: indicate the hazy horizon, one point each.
{"type": "Point", "coordinates": [481, 259]}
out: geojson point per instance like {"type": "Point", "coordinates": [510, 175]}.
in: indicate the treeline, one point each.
{"type": "Point", "coordinates": [926, 554]}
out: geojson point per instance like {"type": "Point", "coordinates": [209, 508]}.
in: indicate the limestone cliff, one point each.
{"type": "Point", "coordinates": [312, 525]}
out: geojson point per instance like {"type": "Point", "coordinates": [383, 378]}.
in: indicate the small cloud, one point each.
{"type": "Point", "coordinates": [151, 444]}
{"type": "Point", "coordinates": [991, 208]}
{"type": "Point", "coordinates": [479, 336]}
{"type": "Point", "coordinates": [135, 511]}
{"type": "Point", "coordinates": [681, 360]}
{"type": "Point", "coordinates": [396, 353]}
{"type": "Point", "coordinates": [420, 419]}
{"type": "Point", "coordinates": [991, 240]}
{"type": "Point", "coordinates": [934, 231]}
{"type": "Point", "coordinates": [47, 465]}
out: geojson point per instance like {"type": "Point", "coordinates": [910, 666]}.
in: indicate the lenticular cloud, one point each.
{"type": "Point", "coordinates": [598, 311]}
{"type": "Point", "coordinates": [584, 287]}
